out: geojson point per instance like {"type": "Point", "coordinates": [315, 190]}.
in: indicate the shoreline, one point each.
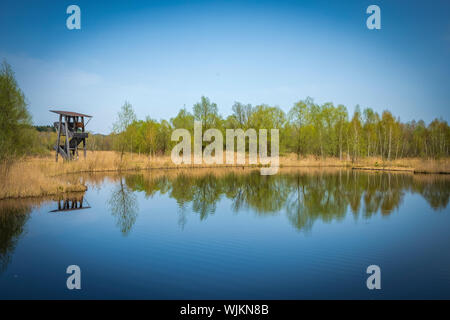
{"type": "Point", "coordinates": [37, 177]}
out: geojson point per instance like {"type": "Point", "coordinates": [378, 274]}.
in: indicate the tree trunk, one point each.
{"type": "Point", "coordinates": [390, 139]}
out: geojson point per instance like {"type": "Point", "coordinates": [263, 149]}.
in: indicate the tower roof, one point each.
{"type": "Point", "coordinates": [70, 113]}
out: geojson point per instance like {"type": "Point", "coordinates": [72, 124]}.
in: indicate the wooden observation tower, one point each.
{"type": "Point", "coordinates": [70, 125]}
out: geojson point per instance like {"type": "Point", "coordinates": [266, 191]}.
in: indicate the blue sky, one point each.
{"type": "Point", "coordinates": [163, 55]}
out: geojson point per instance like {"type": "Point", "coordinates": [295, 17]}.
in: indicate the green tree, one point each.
{"type": "Point", "coordinates": [206, 112]}
{"type": "Point", "coordinates": [341, 126]}
{"type": "Point", "coordinates": [183, 120]}
{"type": "Point", "coordinates": [355, 128]}
{"type": "Point", "coordinates": [298, 120]}
{"type": "Point", "coordinates": [267, 117]}
{"type": "Point", "coordinates": [387, 127]}
{"type": "Point", "coordinates": [330, 118]}
{"type": "Point", "coordinates": [15, 121]}
{"type": "Point", "coordinates": [242, 114]}
{"type": "Point", "coordinates": [125, 118]}
{"type": "Point", "coordinates": [163, 138]}
{"type": "Point", "coordinates": [371, 119]}
{"type": "Point", "coordinates": [317, 128]}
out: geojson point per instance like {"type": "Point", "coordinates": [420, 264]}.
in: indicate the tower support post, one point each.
{"type": "Point", "coordinates": [66, 118]}
{"type": "Point", "coordinates": [84, 139]}
{"type": "Point", "coordinates": [59, 137]}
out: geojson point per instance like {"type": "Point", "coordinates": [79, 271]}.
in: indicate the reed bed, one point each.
{"type": "Point", "coordinates": [42, 176]}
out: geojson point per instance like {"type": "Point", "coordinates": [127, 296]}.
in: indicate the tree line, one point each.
{"type": "Point", "coordinates": [321, 130]}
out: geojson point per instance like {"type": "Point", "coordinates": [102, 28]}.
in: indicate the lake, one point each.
{"type": "Point", "coordinates": [232, 234]}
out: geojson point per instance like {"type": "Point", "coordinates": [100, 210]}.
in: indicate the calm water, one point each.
{"type": "Point", "coordinates": [239, 235]}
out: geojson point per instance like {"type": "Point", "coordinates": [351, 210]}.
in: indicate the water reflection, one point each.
{"type": "Point", "coordinates": [13, 218]}
{"type": "Point", "coordinates": [305, 196]}
{"type": "Point", "coordinates": [435, 191]}
{"type": "Point", "coordinates": [124, 207]}
{"type": "Point", "coordinates": [71, 203]}
{"type": "Point", "coordinates": [14, 214]}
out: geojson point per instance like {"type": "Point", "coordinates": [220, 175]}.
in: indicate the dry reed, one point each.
{"type": "Point", "coordinates": [42, 176]}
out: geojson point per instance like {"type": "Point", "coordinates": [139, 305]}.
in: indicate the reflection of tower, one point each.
{"type": "Point", "coordinates": [71, 204]}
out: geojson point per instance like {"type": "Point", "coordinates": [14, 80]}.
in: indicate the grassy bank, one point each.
{"type": "Point", "coordinates": [42, 176]}
{"type": "Point", "coordinates": [28, 179]}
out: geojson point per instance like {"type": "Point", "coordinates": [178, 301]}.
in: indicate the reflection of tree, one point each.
{"type": "Point", "coordinates": [203, 192]}
{"type": "Point", "coordinates": [181, 190]}
{"type": "Point", "coordinates": [372, 193]}
{"type": "Point", "coordinates": [235, 188]}
{"type": "Point", "coordinates": [123, 205]}
{"type": "Point", "coordinates": [182, 217]}
{"type": "Point", "coordinates": [264, 194]}
{"type": "Point", "coordinates": [435, 189]}
{"type": "Point", "coordinates": [138, 182]}
{"type": "Point", "coordinates": [313, 197]}
{"type": "Point", "coordinates": [207, 191]}
{"type": "Point", "coordinates": [295, 209]}
{"type": "Point", "coordinates": [305, 197]}
{"type": "Point", "coordinates": [12, 221]}
{"type": "Point", "coordinates": [437, 196]}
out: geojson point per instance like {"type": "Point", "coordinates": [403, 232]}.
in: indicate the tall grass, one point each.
{"type": "Point", "coordinates": [42, 176]}
{"type": "Point", "coordinates": [26, 179]}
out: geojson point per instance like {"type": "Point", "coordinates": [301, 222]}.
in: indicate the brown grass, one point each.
{"type": "Point", "coordinates": [415, 165]}
{"type": "Point", "coordinates": [25, 179]}
{"type": "Point", "coordinates": [42, 176]}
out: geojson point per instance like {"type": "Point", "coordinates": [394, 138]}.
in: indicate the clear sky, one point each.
{"type": "Point", "coordinates": [163, 55]}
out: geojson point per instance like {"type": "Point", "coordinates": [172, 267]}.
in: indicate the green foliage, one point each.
{"type": "Point", "coordinates": [326, 131]}
{"type": "Point", "coordinates": [183, 120]}
{"type": "Point", "coordinates": [15, 121]}
{"type": "Point", "coordinates": [121, 128]}
{"type": "Point", "coordinates": [45, 128]}
{"type": "Point", "coordinates": [241, 115]}
{"type": "Point", "coordinates": [99, 142]}
{"type": "Point", "coordinates": [207, 113]}
{"type": "Point", "coordinates": [307, 129]}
